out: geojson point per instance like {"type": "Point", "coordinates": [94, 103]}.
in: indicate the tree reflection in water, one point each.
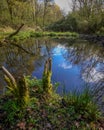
{"type": "Point", "coordinates": [21, 58]}
{"type": "Point", "coordinates": [90, 57]}
{"type": "Point", "coordinates": [31, 55]}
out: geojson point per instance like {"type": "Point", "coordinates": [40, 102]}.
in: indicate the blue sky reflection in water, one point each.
{"type": "Point", "coordinates": [75, 63]}
{"type": "Point", "coordinates": [63, 71]}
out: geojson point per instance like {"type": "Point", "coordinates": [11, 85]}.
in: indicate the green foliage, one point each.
{"type": "Point", "coordinates": [38, 34]}
{"type": "Point", "coordinates": [61, 34]}
{"type": "Point", "coordinates": [73, 111]}
{"type": "Point", "coordinates": [83, 104]}
{"type": "Point", "coordinates": [12, 111]}
{"type": "Point", "coordinates": [44, 108]}
{"type": "Point", "coordinates": [78, 24]}
{"type": "Point", "coordinates": [33, 82]}
{"type": "Point", "coordinates": [86, 17]}
{"type": "Point", "coordinates": [66, 24]}
{"type": "Point", "coordinates": [23, 35]}
{"type": "Point", "coordinates": [55, 86]}
{"type": "Point", "coordinates": [30, 12]}
{"type": "Point", "coordinates": [35, 86]}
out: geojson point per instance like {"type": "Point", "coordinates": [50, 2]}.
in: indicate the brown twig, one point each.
{"type": "Point", "coordinates": [6, 39]}
{"type": "Point", "coordinates": [14, 33]}
{"type": "Point", "coordinates": [8, 74]}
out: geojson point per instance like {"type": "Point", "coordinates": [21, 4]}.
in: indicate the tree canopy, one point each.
{"type": "Point", "coordinates": [29, 12]}
{"type": "Point", "coordinates": [87, 16]}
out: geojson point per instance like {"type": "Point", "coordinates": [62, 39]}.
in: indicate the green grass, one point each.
{"type": "Point", "coordinates": [83, 104]}
{"type": "Point", "coordinates": [28, 34]}
{"type": "Point", "coordinates": [22, 35]}
{"type": "Point", "coordinates": [71, 112]}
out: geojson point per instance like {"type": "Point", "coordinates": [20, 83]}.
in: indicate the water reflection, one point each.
{"type": "Point", "coordinates": [91, 60]}
{"type": "Point", "coordinates": [75, 64]}
{"type": "Point", "coordinates": [90, 57]}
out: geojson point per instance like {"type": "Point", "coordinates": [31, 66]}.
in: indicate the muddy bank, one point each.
{"type": "Point", "coordinates": [93, 38]}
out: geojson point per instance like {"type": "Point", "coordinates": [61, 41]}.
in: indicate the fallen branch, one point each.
{"type": "Point", "coordinates": [8, 74]}
{"type": "Point", "coordinates": [19, 89]}
{"type": "Point", "coordinates": [16, 32]}
{"type": "Point", "coordinates": [6, 39]}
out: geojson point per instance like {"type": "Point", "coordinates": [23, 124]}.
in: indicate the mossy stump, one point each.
{"type": "Point", "coordinates": [47, 86]}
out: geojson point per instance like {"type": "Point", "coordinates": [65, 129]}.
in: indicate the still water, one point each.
{"type": "Point", "coordinates": [76, 64]}
{"type": "Point", "coordinates": [63, 71]}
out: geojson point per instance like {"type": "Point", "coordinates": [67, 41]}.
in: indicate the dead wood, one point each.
{"type": "Point", "coordinates": [8, 74]}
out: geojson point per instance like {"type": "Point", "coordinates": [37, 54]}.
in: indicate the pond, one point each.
{"type": "Point", "coordinates": [76, 64]}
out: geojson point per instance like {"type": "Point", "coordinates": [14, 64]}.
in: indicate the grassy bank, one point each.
{"type": "Point", "coordinates": [22, 35]}
{"type": "Point", "coordinates": [33, 104]}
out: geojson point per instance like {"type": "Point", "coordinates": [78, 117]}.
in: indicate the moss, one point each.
{"type": "Point", "coordinates": [11, 86]}
{"type": "Point", "coordinates": [27, 34]}
{"type": "Point", "coordinates": [45, 109]}
{"type": "Point", "coordinates": [72, 111]}
{"type": "Point", "coordinates": [19, 90]}
{"type": "Point", "coordinates": [23, 92]}
{"type": "Point", "coordinates": [47, 86]}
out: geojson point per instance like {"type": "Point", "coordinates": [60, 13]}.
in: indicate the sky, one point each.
{"type": "Point", "coordinates": [64, 5]}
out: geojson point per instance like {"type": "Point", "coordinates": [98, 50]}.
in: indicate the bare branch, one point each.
{"type": "Point", "coordinates": [14, 33]}
{"type": "Point", "coordinates": [8, 74]}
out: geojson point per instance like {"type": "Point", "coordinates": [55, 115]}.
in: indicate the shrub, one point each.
{"type": "Point", "coordinates": [83, 104]}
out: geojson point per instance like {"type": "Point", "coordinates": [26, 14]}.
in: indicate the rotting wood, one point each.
{"type": "Point", "coordinates": [6, 39]}
{"type": "Point", "coordinates": [16, 32]}
{"type": "Point", "coordinates": [8, 74]}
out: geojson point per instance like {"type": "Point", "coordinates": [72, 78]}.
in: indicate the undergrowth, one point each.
{"type": "Point", "coordinates": [27, 34]}
{"type": "Point", "coordinates": [70, 112]}
{"type": "Point", "coordinates": [33, 104]}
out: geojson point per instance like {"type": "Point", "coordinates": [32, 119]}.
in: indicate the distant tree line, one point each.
{"type": "Point", "coordinates": [87, 16]}
{"type": "Point", "coordinates": [30, 12]}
